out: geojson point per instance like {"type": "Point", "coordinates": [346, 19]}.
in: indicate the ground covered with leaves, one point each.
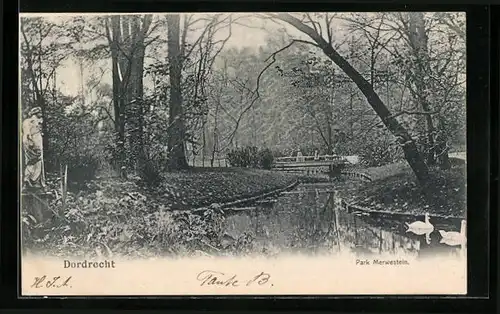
{"type": "Point", "coordinates": [113, 216]}
{"type": "Point", "coordinates": [394, 188]}
{"type": "Point", "coordinates": [199, 187]}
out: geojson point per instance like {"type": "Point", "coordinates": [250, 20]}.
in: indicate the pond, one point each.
{"type": "Point", "coordinates": [310, 220]}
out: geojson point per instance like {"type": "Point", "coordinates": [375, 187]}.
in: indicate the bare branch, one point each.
{"type": "Point", "coordinates": [256, 94]}
{"type": "Point", "coordinates": [328, 29]}
{"type": "Point", "coordinates": [316, 25]}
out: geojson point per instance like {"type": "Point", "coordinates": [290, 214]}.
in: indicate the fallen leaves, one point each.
{"type": "Point", "coordinates": [202, 188]}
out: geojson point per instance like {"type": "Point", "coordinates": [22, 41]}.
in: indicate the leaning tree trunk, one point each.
{"type": "Point", "coordinates": [176, 155]}
{"type": "Point", "coordinates": [411, 152]}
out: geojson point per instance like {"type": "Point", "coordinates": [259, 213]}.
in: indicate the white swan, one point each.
{"type": "Point", "coordinates": [453, 238]}
{"type": "Point", "coordinates": [421, 227]}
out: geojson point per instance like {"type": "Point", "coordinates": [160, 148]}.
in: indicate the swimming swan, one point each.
{"type": "Point", "coordinates": [453, 238]}
{"type": "Point", "coordinates": [420, 227]}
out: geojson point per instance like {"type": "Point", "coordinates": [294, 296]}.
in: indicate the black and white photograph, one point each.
{"type": "Point", "coordinates": [243, 153]}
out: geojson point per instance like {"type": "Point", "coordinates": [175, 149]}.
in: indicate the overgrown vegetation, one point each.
{"type": "Point", "coordinates": [251, 156]}
{"type": "Point", "coordinates": [127, 224]}
{"type": "Point", "coordinates": [379, 152]}
{"type": "Point", "coordinates": [127, 219]}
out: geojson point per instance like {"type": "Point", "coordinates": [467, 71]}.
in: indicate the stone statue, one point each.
{"type": "Point", "coordinates": [34, 172]}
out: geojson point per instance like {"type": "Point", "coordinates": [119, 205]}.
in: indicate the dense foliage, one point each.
{"type": "Point", "coordinates": [251, 156]}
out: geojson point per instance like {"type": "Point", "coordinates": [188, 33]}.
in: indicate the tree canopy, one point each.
{"type": "Point", "coordinates": [145, 93]}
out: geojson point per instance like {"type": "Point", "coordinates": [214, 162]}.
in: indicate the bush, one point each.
{"type": "Point", "coordinates": [250, 156]}
{"type": "Point", "coordinates": [266, 158]}
{"type": "Point", "coordinates": [239, 157]}
{"type": "Point", "coordinates": [81, 168]}
{"type": "Point", "coordinates": [379, 149]}
{"type": "Point", "coordinates": [375, 156]}
{"type": "Point", "coordinates": [150, 172]}
{"type": "Point", "coordinates": [121, 218]}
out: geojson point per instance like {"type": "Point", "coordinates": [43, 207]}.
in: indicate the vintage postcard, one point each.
{"type": "Point", "coordinates": [243, 153]}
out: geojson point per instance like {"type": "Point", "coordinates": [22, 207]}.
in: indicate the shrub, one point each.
{"type": "Point", "coordinates": [266, 158]}
{"type": "Point", "coordinates": [124, 220]}
{"type": "Point", "coordinates": [378, 149]}
{"type": "Point", "coordinates": [250, 156]}
{"type": "Point", "coordinates": [81, 168]}
{"type": "Point", "coordinates": [150, 172]}
{"type": "Point", "coordinates": [374, 156]}
{"type": "Point", "coordinates": [238, 157]}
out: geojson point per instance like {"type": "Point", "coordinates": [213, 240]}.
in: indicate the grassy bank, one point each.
{"type": "Point", "coordinates": [394, 188]}
{"type": "Point", "coordinates": [204, 186]}
{"type": "Point", "coordinates": [122, 217]}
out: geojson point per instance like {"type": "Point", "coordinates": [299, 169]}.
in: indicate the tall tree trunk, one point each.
{"type": "Point", "coordinates": [176, 157]}
{"type": "Point", "coordinates": [411, 153]}
{"type": "Point", "coordinates": [204, 143]}
{"type": "Point", "coordinates": [127, 73]}
{"type": "Point", "coordinates": [42, 103]}
{"type": "Point", "coordinates": [215, 133]}
{"type": "Point", "coordinates": [351, 113]}
{"type": "Point", "coordinates": [114, 38]}
{"type": "Point", "coordinates": [82, 84]}
{"type": "Point", "coordinates": [419, 41]}
{"type": "Point", "coordinates": [329, 144]}
{"type": "Point", "coordinates": [136, 118]}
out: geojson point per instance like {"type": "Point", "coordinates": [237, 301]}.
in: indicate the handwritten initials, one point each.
{"type": "Point", "coordinates": [55, 282]}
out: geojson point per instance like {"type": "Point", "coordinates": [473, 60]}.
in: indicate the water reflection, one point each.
{"type": "Point", "coordinates": [310, 220]}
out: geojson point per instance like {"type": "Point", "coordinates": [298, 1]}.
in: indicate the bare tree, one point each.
{"type": "Point", "coordinates": [411, 152]}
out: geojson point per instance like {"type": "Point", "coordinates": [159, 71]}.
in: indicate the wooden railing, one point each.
{"type": "Point", "coordinates": [309, 158]}
{"type": "Point", "coordinates": [199, 162]}
{"type": "Point", "coordinates": [223, 162]}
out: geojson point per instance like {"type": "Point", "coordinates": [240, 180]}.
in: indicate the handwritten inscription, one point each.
{"type": "Point", "coordinates": [216, 278]}
{"type": "Point", "coordinates": [52, 282]}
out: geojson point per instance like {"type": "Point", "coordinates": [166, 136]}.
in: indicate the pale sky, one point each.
{"type": "Point", "coordinates": [69, 73]}
{"type": "Point", "coordinates": [251, 34]}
